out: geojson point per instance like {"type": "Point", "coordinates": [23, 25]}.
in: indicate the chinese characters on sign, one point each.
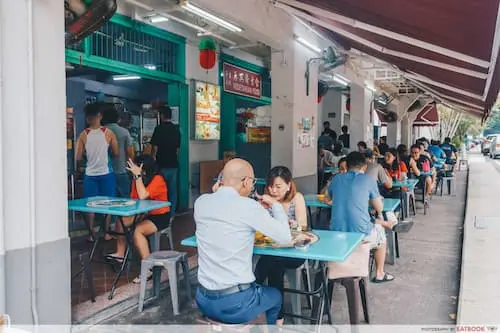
{"type": "Point", "coordinates": [242, 82]}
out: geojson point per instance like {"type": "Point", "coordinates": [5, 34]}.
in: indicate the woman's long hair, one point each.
{"type": "Point", "coordinates": [284, 173]}
{"type": "Point", "coordinates": [149, 168]}
{"type": "Point", "coordinates": [395, 163]}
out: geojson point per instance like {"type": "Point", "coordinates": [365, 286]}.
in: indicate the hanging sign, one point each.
{"type": "Point", "coordinates": [242, 82]}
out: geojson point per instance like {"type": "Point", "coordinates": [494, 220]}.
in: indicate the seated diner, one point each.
{"type": "Point", "coordinates": [148, 184]}
{"type": "Point", "coordinates": [226, 223]}
{"type": "Point", "coordinates": [417, 165]}
{"type": "Point", "coordinates": [352, 194]}
{"type": "Point", "coordinates": [281, 186]}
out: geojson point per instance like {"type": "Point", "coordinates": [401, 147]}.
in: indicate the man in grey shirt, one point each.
{"type": "Point", "coordinates": [126, 150]}
{"type": "Point", "coordinates": [376, 171]}
{"type": "Point", "coordinates": [226, 222]}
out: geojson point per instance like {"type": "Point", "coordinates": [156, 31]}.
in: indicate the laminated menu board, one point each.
{"type": "Point", "coordinates": [207, 111]}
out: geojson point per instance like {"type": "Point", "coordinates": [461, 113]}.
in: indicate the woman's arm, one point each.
{"type": "Point", "coordinates": [142, 191]}
{"type": "Point", "coordinates": [300, 210]}
{"type": "Point", "coordinates": [413, 167]}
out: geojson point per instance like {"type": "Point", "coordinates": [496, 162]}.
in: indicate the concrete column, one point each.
{"type": "Point", "coordinates": [34, 243]}
{"type": "Point", "coordinates": [394, 133]}
{"type": "Point", "coordinates": [361, 123]}
{"type": "Point", "coordinates": [331, 110]}
{"type": "Point", "coordinates": [406, 129]}
{"type": "Point", "coordinates": [290, 105]}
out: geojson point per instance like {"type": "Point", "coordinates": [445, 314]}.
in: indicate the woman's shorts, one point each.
{"type": "Point", "coordinates": [161, 221]}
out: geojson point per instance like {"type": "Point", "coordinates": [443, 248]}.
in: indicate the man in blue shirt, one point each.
{"type": "Point", "coordinates": [436, 150]}
{"type": "Point", "coordinates": [352, 195]}
{"type": "Point", "coordinates": [450, 151]}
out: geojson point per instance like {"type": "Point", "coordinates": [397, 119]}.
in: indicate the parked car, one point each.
{"type": "Point", "coordinates": [486, 143]}
{"type": "Point", "coordinates": [495, 146]}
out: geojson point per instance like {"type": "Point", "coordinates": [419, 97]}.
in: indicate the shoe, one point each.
{"type": "Point", "coordinates": [137, 280]}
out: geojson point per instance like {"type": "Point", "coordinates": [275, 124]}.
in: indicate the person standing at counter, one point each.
{"type": "Point", "coordinates": [96, 141]}
{"type": "Point", "coordinates": [125, 147]}
{"type": "Point", "coordinates": [166, 142]}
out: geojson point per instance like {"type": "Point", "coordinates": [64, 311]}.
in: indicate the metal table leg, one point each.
{"type": "Point", "coordinates": [128, 233]}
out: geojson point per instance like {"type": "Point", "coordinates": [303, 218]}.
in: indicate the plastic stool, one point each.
{"type": "Point", "coordinates": [294, 277]}
{"type": "Point", "coordinates": [168, 260]}
{"type": "Point", "coordinates": [155, 238]}
{"type": "Point", "coordinates": [449, 182]}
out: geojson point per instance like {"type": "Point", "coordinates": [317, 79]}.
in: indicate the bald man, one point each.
{"type": "Point", "coordinates": [226, 222]}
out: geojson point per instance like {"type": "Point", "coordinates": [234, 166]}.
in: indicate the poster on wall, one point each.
{"type": "Point", "coordinates": [242, 82]}
{"type": "Point", "coordinates": [135, 132]}
{"type": "Point", "coordinates": [149, 123]}
{"type": "Point", "coordinates": [253, 125]}
{"type": "Point", "coordinates": [207, 112]}
{"type": "Point", "coordinates": [175, 114]}
{"type": "Point", "coordinates": [305, 133]}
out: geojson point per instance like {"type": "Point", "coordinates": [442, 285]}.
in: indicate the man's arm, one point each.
{"type": "Point", "coordinates": [413, 167]}
{"type": "Point", "coordinates": [113, 142]}
{"type": "Point", "coordinates": [384, 178]}
{"type": "Point", "coordinates": [130, 148]}
{"type": "Point", "coordinates": [80, 147]}
{"type": "Point", "coordinates": [276, 227]}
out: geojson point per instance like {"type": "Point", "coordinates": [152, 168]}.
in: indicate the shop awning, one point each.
{"type": "Point", "coordinates": [428, 116]}
{"type": "Point", "coordinates": [449, 47]}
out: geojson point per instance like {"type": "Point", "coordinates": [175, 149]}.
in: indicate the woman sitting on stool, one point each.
{"type": "Point", "coordinates": [281, 187]}
{"type": "Point", "coordinates": [148, 184]}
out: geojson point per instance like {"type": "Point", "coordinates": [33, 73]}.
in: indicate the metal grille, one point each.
{"type": "Point", "coordinates": [130, 46]}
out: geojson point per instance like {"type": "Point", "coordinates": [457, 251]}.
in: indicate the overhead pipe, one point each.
{"type": "Point", "coordinates": [175, 18]}
{"type": "Point", "coordinates": [385, 33]}
{"type": "Point", "coordinates": [380, 48]}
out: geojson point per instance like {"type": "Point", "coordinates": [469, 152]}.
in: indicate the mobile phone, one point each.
{"type": "Point", "coordinates": [303, 243]}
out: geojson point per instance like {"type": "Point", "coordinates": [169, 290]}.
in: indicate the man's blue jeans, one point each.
{"type": "Point", "coordinates": [241, 307]}
{"type": "Point", "coordinates": [170, 176]}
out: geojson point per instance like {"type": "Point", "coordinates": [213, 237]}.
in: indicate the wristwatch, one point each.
{"type": "Point", "coordinates": [137, 177]}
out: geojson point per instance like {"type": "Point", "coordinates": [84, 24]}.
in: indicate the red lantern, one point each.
{"type": "Point", "coordinates": [348, 104]}
{"type": "Point", "coordinates": [208, 56]}
{"type": "Point", "coordinates": [207, 59]}
{"type": "Point", "coordinates": [320, 98]}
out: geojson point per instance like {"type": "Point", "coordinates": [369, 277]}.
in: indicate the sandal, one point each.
{"type": "Point", "coordinates": [114, 257]}
{"type": "Point", "coordinates": [149, 276]}
{"type": "Point", "coordinates": [386, 278]}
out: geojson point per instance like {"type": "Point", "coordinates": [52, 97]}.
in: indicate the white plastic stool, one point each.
{"type": "Point", "coordinates": [155, 238]}
{"type": "Point", "coordinates": [450, 182]}
{"type": "Point", "coordinates": [168, 260]}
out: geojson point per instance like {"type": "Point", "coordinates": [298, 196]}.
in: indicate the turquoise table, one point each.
{"type": "Point", "coordinates": [136, 210]}
{"type": "Point", "coordinates": [140, 207]}
{"type": "Point", "coordinates": [409, 183]}
{"type": "Point", "coordinates": [391, 205]}
{"type": "Point", "coordinates": [332, 169]}
{"type": "Point", "coordinates": [332, 246]}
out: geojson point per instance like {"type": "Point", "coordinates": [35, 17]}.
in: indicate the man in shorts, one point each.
{"type": "Point", "coordinates": [352, 194]}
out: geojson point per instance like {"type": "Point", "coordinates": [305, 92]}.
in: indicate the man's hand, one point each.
{"type": "Point", "coordinates": [266, 200]}
{"type": "Point", "coordinates": [385, 224]}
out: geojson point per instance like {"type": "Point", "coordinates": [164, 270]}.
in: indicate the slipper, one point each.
{"type": "Point", "coordinates": [114, 257]}
{"type": "Point", "coordinates": [108, 237]}
{"type": "Point", "coordinates": [386, 278]}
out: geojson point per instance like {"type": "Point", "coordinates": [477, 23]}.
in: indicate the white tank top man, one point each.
{"type": "Point", "coordinates": [96, 141]}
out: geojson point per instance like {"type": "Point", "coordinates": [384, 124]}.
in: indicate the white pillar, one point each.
{"type": "Point", "coordinates": [290, 106]}
{"type": "Point", "coordinates": [361, 124]}
{"type": "Point", "coordinates": [394, 133]}
{"type": "Point", "coordinates": [33, 157]}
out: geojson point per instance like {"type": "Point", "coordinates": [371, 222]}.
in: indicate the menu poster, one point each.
{"type": "Point", "coordinates": [149, 123]}
{"type": "Point", "coordinates": [207, 112]}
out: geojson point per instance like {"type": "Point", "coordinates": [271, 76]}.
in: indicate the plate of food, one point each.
{"type": "Point", "coordinates": [111, 203]}
{"type": "Point", "coordinates": [307, 237]}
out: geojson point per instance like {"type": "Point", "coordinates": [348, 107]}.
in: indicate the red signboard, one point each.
{"type": "Point", "coordinates": [242, 82]}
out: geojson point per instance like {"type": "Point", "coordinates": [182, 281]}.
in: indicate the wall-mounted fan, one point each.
{"type": "Point", "coordinates": [330, 61]}
{"type": "Point", "coordinates": [83, 17]}
{"type": "Point", "coordinates": [391, 117]}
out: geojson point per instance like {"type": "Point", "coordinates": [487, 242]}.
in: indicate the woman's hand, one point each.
{"type": "Point", "coordinates": [133, 168]}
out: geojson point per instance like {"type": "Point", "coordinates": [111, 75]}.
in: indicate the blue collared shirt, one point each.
{"type": "Point", "coordinates": [225, 231]}
{"type": "Point", "coordinates": [351, 193]}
